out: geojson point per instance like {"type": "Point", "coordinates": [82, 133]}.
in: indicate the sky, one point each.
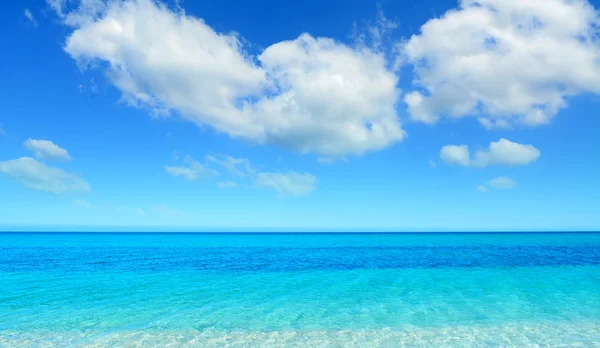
{"type": "Point", "coordinates": [274, 115]}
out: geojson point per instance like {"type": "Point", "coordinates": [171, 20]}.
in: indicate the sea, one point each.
{"type": "Point", "coordinates": [299, 290]}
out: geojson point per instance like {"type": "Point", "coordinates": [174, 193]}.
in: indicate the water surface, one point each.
{"type": "Point", "coordinates": [300, 289]}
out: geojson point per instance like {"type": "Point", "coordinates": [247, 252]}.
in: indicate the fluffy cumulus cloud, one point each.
{"type": "Point", "coordinates": [502, 183]}
{"type": "Point", "coordinates": [46, 149]}
{"type": "Point", "coordinates": [314, 95]}
{"type": "Point", "coordinates": [192, 170]}
{"type": "Point", "coordinates": [455, 155]}
{"type": "Point", "coordinates": [38, 176]}
{"type": "Point", "coordinates": [506, 152]}
{"type": "Point", "coordinates": [505, 61]}
{"type": "Point", "coordinates": [288, 183]}
{"type": "Point", "coordinates": [502, 152]}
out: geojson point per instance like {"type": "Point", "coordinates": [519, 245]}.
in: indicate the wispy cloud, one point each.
{"type": "Point", "coordinates": [38, 176]}
{"type": "Point", "coordinates": [236, 166]}
{"type": "Point", "coordinates": [288, 183]}
{"type": "Point", "coordinates": [27, 13]}
{"type": "Point", "coordinates": [498, 183]}
{"type": "Point", "coordinates": [193, 170]}
{"type": "Point", "coordinates": [502, 183]}
{"type": "Point", "coordinates": [226, 184]}
{"type": "Point", "coordinates": [46, 149]}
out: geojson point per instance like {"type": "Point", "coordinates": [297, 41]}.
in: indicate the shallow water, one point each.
{"type": "Point", "coordinates": [300, 289]}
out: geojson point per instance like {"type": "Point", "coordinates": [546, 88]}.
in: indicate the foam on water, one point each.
{"type": "Point", "coordinates": [552, 334]}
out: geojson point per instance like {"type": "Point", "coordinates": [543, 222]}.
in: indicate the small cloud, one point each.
{"type": "Point", "coordinates": [193, 170]}
{"type": "Point", "coordinates": [237, 166]}
{"type": "Point", "coordinates": [502, 152]}
{"type": "Point", "coordinates": [226, 184]}
{"type": "Point", "coordinates": [482, 188]}
{"type": "Point", "coordinates": [82, 203]}
{"type": "Point", "coordinates": [45, 149]}
{"type": "Point", "coordinates": [288, 184]}
{"type": "Point", "coordinates": [502, 183]}
{"type": "Point", "coordinates": [1, 129]}
{"type": "Point", "coordinates": [38, 176]}
{"type": "Point", "coordinates": [30, 17]}
{"type": "Point", "coordinates": [455, 155]}
{"type": "Point", "coordinates": [432, 164]}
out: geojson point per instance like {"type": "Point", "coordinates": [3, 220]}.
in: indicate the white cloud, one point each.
{"type": "Point", "coordinates": [455, 154]}
{"type": "Point", "coordinates": [482, 188]}
{"type": "Point", "coordinates": [505, 61]}
{"type": "Point", "coordinates": [231, 165]}
{"type": "Point", "coordinates": [310, 94]}
{"type": "Point", "coordinates": [193, 170]}
{"type": "Point", "coordinates": [57, 6]}
{"type": "Point", "coordinates": [375, 32]}
{"type": "Point", "coordinates": [432, 164]}
{"type": "Point", "coordinates": [38, 176]}
{"type": "Point", "coordinates": [226, 184]}
{"type": "Point", "coordinates": [506, 152]}
{"type": "Point", "coordinates": [30, 17]}
{"type": "Point", "coordinates": [502, 183]}
{"type": "Point", "coordinates": [45, 149]}
{"type": "Point", "coordinates": [288, 184]}
{"type": "Point", "coordinates": [502, 152]}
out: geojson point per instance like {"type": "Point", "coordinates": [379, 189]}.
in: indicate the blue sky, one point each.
{"type": "Point", "coordinates": [216, 115]}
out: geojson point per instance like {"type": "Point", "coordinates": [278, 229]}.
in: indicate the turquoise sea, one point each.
{"type": "Point", "coordinates": [302, 290]}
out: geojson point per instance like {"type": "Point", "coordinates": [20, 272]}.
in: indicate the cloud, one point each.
{"type": "Point", "coordinates": [193, 170]}
{"type": "Point", "coordinates": [502, 183]}
{"type": "Point", "coordinates": [38, 176]}
{"type": "Point", "coordinates": [375, 32]}
{"type": "Point", "coordinates": [45, 149]}
{"type": "Point", "coordinates": [287, 184]}
{"type": "Point", "coordinates": [314, 95]}
{"type": "Point", "coordinates": [482, 188]}
{"type": "Point", "coordinates": [231, 165]}
{"type": "Point", "coordinates": [57, 6]}
{"type": "Point", "coordinates": [27, 13]}
{"type": "Point", "coordinates": [2, 131]}
{"type": "Point", "coordinates": [82, 203]}
{"type": "Point", "coordinates": [502, 152]}
{"type": "Point", "coordinates": [506, 152]}
{"type": "Point", "coordinates": [454, 154]}
{"type": "Point", "coordinates": [505, 61]}
{"type": "Point", "coordinates": [432, 164]}
{"type": "Point", "coordinates": [226, 184]}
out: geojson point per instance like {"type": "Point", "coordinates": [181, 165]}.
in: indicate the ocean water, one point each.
{"type": "Point", "coordinates": [300, 290]}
